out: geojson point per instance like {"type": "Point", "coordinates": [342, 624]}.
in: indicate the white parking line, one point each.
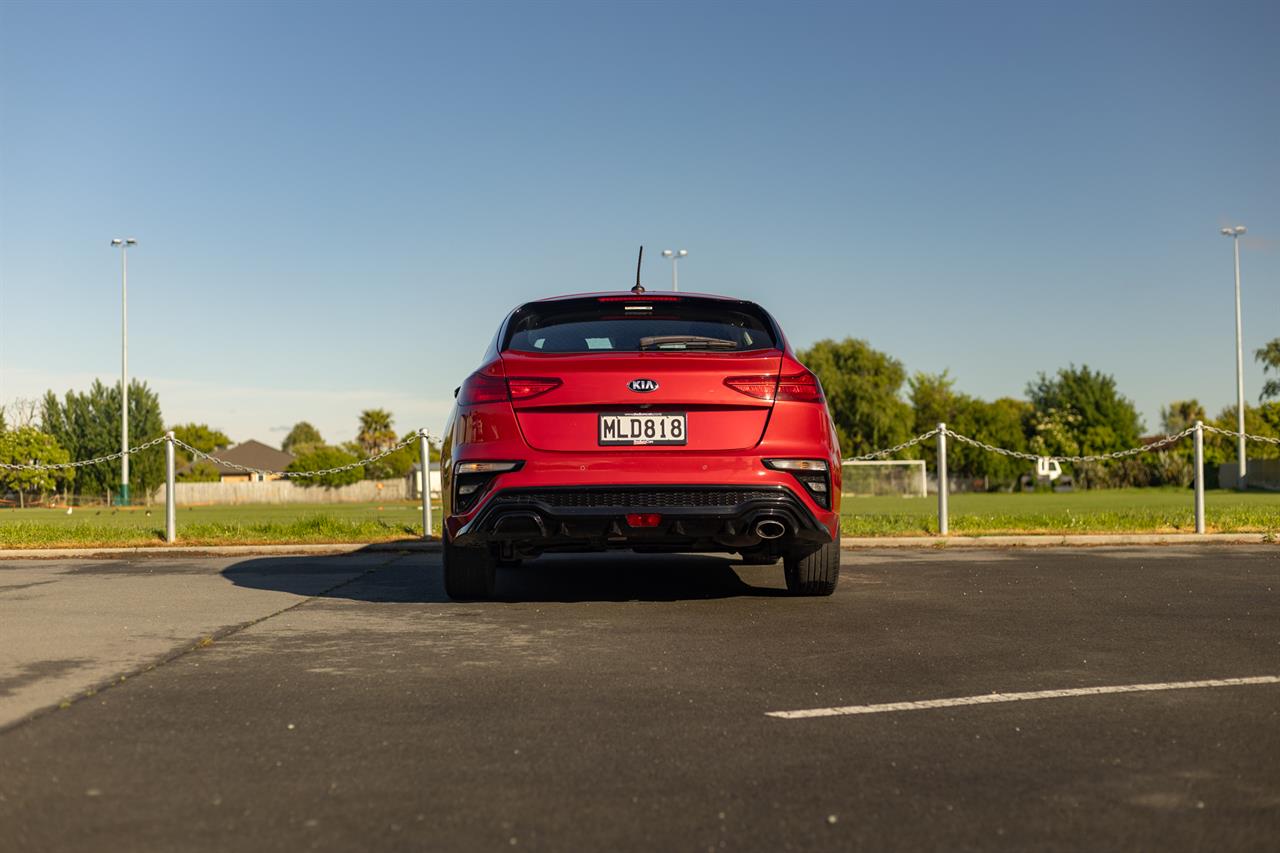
{"type": "Point", "coordinates": [991, 698]}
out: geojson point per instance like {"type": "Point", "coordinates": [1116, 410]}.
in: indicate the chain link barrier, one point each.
{"type": "Point", "coordinates": [297, 475]}
{"type": "Point", "coordinates": [1032, 457]}
{"type": "Point", "coordinates": [1247, 437]}
{"type": "Point", "coordinates": [1098, 457]}
{"type": "Point", "coordinates": [889, 451]}
{"type": "Point", "coordinates": [866, 457]}
{"type": "Point", "coordinates": [60, 466]}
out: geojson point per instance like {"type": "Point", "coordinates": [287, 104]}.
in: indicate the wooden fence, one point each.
{"type": "Point", "coordinates": [285, 492]}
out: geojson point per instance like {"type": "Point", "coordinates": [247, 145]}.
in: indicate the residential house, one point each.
{"type": "Point", "coordinates": [252, 454]}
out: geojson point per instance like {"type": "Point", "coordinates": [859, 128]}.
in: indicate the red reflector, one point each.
{"type": "Point", "coordinates": [643, 519]}
{"type": "Point", "coordinates": [801, 387]}
{"type": "Point", "coordinates": [760, 387]}
{"type": "Point", "coordinates": [524, 387]}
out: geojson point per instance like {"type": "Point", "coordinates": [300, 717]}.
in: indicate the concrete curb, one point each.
{"type": "Point", "coordinates": [849, 542]}
{"type": "Point", "coordinates": [1041, 541]}
{"type": "Point", "coordinates": [218, 550]}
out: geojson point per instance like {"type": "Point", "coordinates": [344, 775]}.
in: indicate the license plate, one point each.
{"type": "Point", "coordinates": [643, 428]}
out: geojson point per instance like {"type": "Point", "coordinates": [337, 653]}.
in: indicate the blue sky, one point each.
{"type": "Point", "coordinates": [336, 204]}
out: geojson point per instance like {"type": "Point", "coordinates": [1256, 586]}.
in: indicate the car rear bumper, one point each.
{"type": "Point", "coordinates": [690, 517]}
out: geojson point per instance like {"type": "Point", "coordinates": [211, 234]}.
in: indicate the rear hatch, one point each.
{"type": "Point", "coordinates": [640, 373]}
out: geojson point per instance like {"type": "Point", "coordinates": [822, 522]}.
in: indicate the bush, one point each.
{"type": "Point", "coordinates": [203, 471]}
{"type": "Point", "coordinates": [327, 457]}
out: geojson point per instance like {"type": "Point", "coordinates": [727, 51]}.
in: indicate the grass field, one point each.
{"type": "Point", "coordinates": [214, 525]}
{"type": "Point", "coordinates": [1103, 511]}
{"type": "Point", "coordinates": [1110, 511]}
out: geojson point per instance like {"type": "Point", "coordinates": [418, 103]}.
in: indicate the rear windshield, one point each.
{"type": "Point", "coordinates": [619, 324]}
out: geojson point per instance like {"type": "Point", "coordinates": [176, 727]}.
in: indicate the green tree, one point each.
{"type": "Point", "coordinates": [394, 465]}
{"type": "Point", "coordinates": [29, 446]}
{"type": "Point", "coordinates": [1270, 358]}
{"type": "Point", "coordinates": [202, 437]}
{"type": "Point", "coordinates": [203, 471]}
{"type": "Point", "coordinates": [863, 388]}
{"type": "Point", "coordinates": [327, 457]}
{"type": "Point", "coordinates": [376, 434]}
{"type": "Point", "coordinates": [1002, 423]}
{"type": "Point", "coordinates": [401, 462]}
{"type": "Point", "coordinates": [933, 400]}
{"type": "Point", "coordinates": [1179, 415]}
{"type": "Point", "coordinates": [87, 425]}
{"type": "Point", "coordinates": [1258, 420]}
{"type": "Point", "coordinates": [301, 438]}
{"type": "Point", "coordinates": [1085, 412]}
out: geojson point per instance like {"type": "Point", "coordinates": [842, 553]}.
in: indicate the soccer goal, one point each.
{"type": "Point", "coordinates": [905, 477]}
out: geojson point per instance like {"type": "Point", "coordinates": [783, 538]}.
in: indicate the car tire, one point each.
{"type": "Point", "coordinates": [470, 574]}
{"type": "Point", "coordinates": [814, 573]}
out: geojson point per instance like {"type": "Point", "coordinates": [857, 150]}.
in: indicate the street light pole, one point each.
{"type": "Point", "coordinates": [124, 245]}
{"type": "Point", "coordinates": [1234, 234]}
{"type": "Point", "coordinates": [675, 258]}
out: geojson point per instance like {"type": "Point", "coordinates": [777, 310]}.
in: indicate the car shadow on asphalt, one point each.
{"type": "Point", "coordinates": [417, 577]}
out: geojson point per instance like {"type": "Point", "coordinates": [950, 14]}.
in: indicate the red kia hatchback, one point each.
{"type": "Point", "coordinates": [657, 422]}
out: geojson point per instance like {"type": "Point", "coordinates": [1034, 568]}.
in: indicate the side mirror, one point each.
{"type": "Point", "coordinates": [455, 392]}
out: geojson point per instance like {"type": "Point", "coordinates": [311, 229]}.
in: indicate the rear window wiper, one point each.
{"type": "Point", "coordinates": [686, 342]}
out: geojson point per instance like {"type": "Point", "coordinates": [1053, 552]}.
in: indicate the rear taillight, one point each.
{"type": "Point", "coordinates": [760, 387]}
{"type": "Point", "coordinates": [525, 387]}
{"type": "Point", "coordinates": [800, 387]}
{"type": "Point", "coordinates": [489, 385]}
{"type": "Point", "coordinates": [486, 385]}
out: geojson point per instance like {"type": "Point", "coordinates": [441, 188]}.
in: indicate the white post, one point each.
{"type": "Point", "coordinates": [424, 451]}
{"type": "Point", "coordinates": [170, 499]}
{"type": "Point", "coordinates": [943, 525]}
{"type": "Point", "coordinates": [675, 255]}
{"type": "Point", "coordinates": [1239, 369]}
{"type": "Point", "coordinates": [1199, 443]}
{"type": "Point", "coordinates": [124, 372]}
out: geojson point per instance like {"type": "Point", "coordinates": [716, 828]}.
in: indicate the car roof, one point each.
{"type": "Point", "coordinates": [630, 294]}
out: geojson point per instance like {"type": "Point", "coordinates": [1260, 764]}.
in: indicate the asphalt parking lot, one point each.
{"type": "Point", "coordinates": [625, 703]}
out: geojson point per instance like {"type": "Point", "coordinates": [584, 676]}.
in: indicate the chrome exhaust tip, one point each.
{"type": "Point", "coordinates": [770, 529]}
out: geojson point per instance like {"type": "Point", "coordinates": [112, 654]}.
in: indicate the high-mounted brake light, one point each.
{"type": "Point", "coordinates": [642, 298]}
